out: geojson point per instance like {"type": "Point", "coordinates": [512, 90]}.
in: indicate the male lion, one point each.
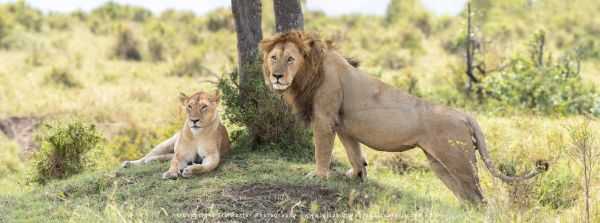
{"type": "Point", "coordinates": [198, 147]}
{"type": "Point", "coordinates": [330, 94]}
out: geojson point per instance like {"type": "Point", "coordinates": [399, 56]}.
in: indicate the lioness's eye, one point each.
{"type": "Point", "coordinates": [273, 58]}
{"type": "Point", "coordinates": [204, 107]}
{"type": "Point", "coordinates": [290, 59]}
{"type": "Point", "coordinates": [189, 107]}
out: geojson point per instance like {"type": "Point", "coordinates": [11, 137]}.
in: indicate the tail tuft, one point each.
{"type": "Point", "coordinates": [542, 165]}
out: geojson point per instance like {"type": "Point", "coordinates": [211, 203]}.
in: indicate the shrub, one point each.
{"type": "Point", "coordinates": [547, 87]}
{"type": "Point", "coordinates": [557, 188]}
{"type": "Point", "coordinates": [126, 47]}
{"type": "Point", "coordinates": [61, 77]}
{"type": "Point", "coordinates": [63, 149]}
{"type": "Point", "coordinates": [188, 67]}
{"type": "Point", "coordinates": [267, 122]}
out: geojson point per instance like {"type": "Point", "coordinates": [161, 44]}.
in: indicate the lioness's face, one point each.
{"type": "Point", "coordinates": [200, 109]}
{"type": "Point", "coordinates": [284, 62]}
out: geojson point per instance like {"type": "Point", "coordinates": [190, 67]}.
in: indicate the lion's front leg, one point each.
{"type": "Point", "coordinates": [323, 138]}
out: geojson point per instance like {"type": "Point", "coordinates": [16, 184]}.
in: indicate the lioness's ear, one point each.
{"type": "Point", "coordinates": [182, 98]}
{"type": "Point", "coordinates": [217, 97]}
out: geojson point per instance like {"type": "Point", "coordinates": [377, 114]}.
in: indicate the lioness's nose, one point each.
{"type": "Point", "coordinates": [278, 75]}
{"type": "Point", "coordinates": [194, 120]}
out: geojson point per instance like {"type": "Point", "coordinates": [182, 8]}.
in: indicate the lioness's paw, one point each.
{"type": "Point", "coordinates": [317, 175]}
{"type": "Point", "coordinates": [126, 164]}
{"type": "Point", "coordinates": [357, 175]}
{"type": "Point", "coordinates": [187, 172]}
{"type": "Point", "coordinates": [169, 176]}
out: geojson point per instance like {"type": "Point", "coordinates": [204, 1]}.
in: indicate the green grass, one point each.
{"type": "Point", "coordinates": [258, 183]}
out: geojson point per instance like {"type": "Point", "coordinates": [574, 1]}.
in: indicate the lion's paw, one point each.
{"type": "Point", "coordinates": [316, 175]}
{"type": "Point", "coordinates": [357, 175]}
{"type": "Point", "coordinates": [169, 176]}
{"type": "Point", "coordinates": [187, 172]}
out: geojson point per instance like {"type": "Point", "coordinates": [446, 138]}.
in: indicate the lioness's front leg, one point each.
{"type": "Point", "coordinates": [208, 164]}
{"type": "Point", "coordinates": [161, 152]}
{"type": "Point", "coordinates": [177, 163]}
{"type": "Point", "coordinates": [323, 138]}
{"type": "Point", "coordinates": [356, 157]}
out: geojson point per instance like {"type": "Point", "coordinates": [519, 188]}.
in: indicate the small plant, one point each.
{"type": "Point", "coordinates": [267, 122]}
{"type": "Point", "coordinates": [126, 47]}
{"type": "Point", "coordinates": [63, 150]}
{"type": "Point", "coordinates": [61, 77]}
{"type": "Point", "coordinates": [586, 152]}
{"type": "Point", "coordinates": [556, 189]}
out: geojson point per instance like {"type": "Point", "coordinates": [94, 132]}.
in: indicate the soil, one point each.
{"type": "Point", "coordinates": [21, 130]}
{"type": "Point", "coordinates": [262, 202]}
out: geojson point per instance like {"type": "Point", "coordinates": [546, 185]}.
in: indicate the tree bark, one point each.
{"type": "Point", "coordinates": [288, 15]}
{"type": "Point", "coordinates": [247, 16]}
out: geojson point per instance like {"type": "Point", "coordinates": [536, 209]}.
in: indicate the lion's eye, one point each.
{"type": "Point", "coordinates": [273, 58]}
{"type": "Point", "coordinates": [204, 107]}
{"type": "Point", "coordinates": [290, 59]}
{"type": "Point", "coordinates": [189, 107]}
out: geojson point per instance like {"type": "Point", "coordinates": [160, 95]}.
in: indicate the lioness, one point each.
{"type": "Point", "coordinates": [330, 94]}
{"type": "Point", "coordinates": [198, 147]}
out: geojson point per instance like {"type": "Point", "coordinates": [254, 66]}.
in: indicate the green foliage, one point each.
{"type": "Point", "coordinates": [114, 11]}
{"type": "Point", "coordinates": [267, 122]}
{"type": "Point", "coordinates": [548, 87]}
{"type": "Point", "coordinates": [63, 150]}
{"type": "Point", "coordinates": [9, 157]}
{"type": "Point", "coordinates": [21, 14]}
{"type": "Point", "coordinates": [556, 188]}
{"type": "Point", "coordinates": [61, 77]}
{"type": "Point", "coordinates": [126, 47]}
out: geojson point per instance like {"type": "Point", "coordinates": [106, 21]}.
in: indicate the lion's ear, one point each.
{"type": "Point", "coordinates": [217, 97]}
{"type": "Point", "coordinates": [182, 98]}
{"type": "Point", "coordinates": [266, 45]}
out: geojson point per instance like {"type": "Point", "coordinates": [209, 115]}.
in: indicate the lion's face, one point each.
{"type": "Point", "coordinates": [200, 109]}
{"type": "Point", "coordinates": [284, 62]}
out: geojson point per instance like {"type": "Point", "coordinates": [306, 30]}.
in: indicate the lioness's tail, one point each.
{"type": "Point", "coordinates": [540, 165]}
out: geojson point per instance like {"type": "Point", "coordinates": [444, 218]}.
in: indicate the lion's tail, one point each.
{"type": "Point", "coordinates": [540, 165]}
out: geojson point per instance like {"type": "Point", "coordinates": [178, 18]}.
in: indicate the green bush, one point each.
{"type": "Point", "coordinates": [557, 189]}
{"type": "Point", "coordinates": [126, 47]}
{"type": "Point", "coordinates": [266, 120]}
{"type": "Point", "coordinates": [547, 88]}
{"type": "Point", "coordinates": [114, 11]}
{"type": "Point", "coordinates": [63, 150]}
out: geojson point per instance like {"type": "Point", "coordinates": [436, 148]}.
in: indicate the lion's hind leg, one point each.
{"type": "Point", "coordinates": [356, 157]}
{"type": "Point", "coordinates": [463, 181]}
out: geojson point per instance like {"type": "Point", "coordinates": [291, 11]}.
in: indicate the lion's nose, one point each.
{"type": "Point", "coordinates": [194, 120]}
{"type": "Point", "coordinates": [278, 75]}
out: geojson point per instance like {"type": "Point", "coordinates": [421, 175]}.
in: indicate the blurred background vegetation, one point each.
{"type": "Point", "coordinates": [118, 68]}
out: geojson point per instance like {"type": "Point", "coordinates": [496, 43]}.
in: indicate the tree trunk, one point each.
{"type": "Point", "coordinates": [247, 16]}
{"type": "Point", "coordinates": [288, 15]}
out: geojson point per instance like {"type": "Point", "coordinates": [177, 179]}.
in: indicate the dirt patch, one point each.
{"type": "Point", "coordinates": [400, 164]}
{"type": "Point", "coordinates": [21, 130]}
{"type": "Point", "coordinates": [260, 202]}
